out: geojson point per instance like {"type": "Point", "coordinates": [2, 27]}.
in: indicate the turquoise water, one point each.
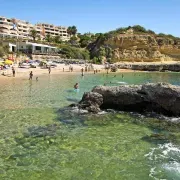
{"type": "Point", "coordinates": [39, 140]}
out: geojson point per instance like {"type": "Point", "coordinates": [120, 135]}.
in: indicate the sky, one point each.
{"type": "Point", "coordinates": [98, 15]}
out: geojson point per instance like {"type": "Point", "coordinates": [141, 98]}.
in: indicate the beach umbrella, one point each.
{"type": "Point", "coordinates": [8, 62]}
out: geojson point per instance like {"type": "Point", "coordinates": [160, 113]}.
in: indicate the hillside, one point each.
{"type": "Point", "coordinates": [136, 44]}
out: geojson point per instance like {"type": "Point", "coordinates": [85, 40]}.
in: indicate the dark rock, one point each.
{"type": "Point", "coordinates": [155, 67]}
{"type": "Point", "coordinates": [91, 101]}
{"type": "Point", "coordinates": [161, 98]}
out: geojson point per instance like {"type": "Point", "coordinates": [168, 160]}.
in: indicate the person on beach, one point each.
{"type": "Point", "coordinates": [30, 75]}
{"type": "Point", "coordinates": [76, 86]}
{"type": "Point", "coordinates": [13, 71]}
{"type": "Point", "coordinates": [63, 69]}
{"type": "Point", "coordinates": [94, 71]}
{"type": "Point", "coordinates": [86, 69]}
{"type": "Point", "coordinates": [49, 69]}
{"type": "Point", "coordinates": [36, 78]}
{"type": "Point", "coordinates": [82, 71]}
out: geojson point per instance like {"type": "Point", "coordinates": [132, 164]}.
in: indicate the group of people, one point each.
{"type": "Point", "coordinates": [30, 74]}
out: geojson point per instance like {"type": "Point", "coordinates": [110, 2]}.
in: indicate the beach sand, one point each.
{"type": "Point", "coordinates": [22, 73]}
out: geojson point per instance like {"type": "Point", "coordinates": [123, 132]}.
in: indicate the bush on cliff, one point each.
{"type": "Point", "coordinates": [74, 53]}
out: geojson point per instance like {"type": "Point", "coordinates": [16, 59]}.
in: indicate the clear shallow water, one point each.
{"type": "Point", "coordinates": [37, 141]}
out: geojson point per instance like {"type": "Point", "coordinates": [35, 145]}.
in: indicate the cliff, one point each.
{"type": "Point", "coordinates": [134, 47]}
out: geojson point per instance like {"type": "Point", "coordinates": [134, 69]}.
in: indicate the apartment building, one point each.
{"type": "Point", "coordinates": [52, 30]}
{"type": "Point", "coordinates": [23, 28]}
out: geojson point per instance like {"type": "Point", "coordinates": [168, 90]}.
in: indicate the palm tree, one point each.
{"type": "Point", "coordinates": [33, 34]}
{"type": "Point", "coordinates": [74, 30]}
{"type": "Point", "coordinates": [69, 30]}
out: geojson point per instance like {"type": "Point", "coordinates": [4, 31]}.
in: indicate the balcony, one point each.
{"type": "Point", "coordinates": [39, 52]}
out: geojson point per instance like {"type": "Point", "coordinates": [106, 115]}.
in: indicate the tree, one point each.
{"type": "Point", "coordinates": [138, 28]}
{"type": "Point", "coordinates": [33, 34]}
{"type": "Point", "coordinates": [48, 38]}
{"type": "Point", "coordinates": [84, 40]}
{"type": "Point", "coordinates": [161, 34]}
{"type": "Point", "coordinates": [57, 39]}
{"type": "Point", "coordinates": [72, 30]}
{"type": "Point", "coordinates": [69, 30]}
{"type": "Point", "coordinates": [151, 32]}
{"type": "Point", "coordinates": [2, 53]}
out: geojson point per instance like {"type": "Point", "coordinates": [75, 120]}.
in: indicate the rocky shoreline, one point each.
{"type": "Point", "coordinates": [161, 67]}
{"type": "Point", "coordinates": [161, 98]}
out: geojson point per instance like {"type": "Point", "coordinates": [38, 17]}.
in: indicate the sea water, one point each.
{"type": "Point", "coordinates": [39, 140]}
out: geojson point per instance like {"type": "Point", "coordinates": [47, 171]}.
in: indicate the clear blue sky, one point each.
{"type": "Point", "coordinates": [98, 15]}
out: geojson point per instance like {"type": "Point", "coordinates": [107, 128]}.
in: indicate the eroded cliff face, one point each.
{"type": "Point", "coordinates": [141, 48]}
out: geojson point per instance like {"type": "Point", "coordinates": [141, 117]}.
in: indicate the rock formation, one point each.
{"type": "Point", "coordinates": [138, 48]}
{"type": "Point", "coordinates": [175, 67]}
{"type": "Point", "coordinates": [161, 98]}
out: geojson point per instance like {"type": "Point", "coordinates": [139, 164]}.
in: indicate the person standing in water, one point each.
{"type": "Point", "coordinates": [30, 75]}
{"type": "Point", "coordinates": [49, 69]}
{"type": "Point", "coordinates": [13, 71]}
{"type": "Point", "coordinates": [82, 71]}
{"type": "Point", "coordinates": [76, 86]}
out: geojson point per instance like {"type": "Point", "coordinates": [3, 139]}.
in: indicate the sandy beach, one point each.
{"type": "Point", "coordinates": [24, 73]}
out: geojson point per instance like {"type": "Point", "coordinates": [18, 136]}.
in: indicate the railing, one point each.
{"type": "Point", "coordinates": [44, 53]}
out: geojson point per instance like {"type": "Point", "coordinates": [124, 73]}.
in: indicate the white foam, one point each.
{"type": "Point", "coordinates": [169, 147]}
{"type": "Point", "coordinates": [122, 82]}
{"type": "Point", "coordinates": [162, 154]}
{"type": "Point", "coordinates": [173, 167]}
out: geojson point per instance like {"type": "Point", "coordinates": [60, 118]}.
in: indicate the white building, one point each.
{"type": "Point", "coordinates": [23, 29]}
{"type": "Point", "coordinates": [35, 48]}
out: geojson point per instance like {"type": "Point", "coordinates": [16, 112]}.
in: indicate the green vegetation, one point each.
{"type": "Point", "coordinates": [72, 30]}
{"type": "Point", "coordinates": [96, 46]}
{"type": "Point", "coordinates": [73, 52]}
{"type": "Point", "coordinates": [34, 34]}
{"type": "Point", "coordinates": [4, 50]}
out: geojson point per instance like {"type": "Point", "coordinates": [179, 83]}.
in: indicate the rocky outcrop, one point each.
{"type": "Point", "coordinates": [91, 101]}
{"type": "Point", "coordinates": [175, 67]}
{"type": "Point", "coordinates": [161, 98]}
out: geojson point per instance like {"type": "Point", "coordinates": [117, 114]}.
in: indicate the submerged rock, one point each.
{"type": "Point", "coordinates": [162, 98]}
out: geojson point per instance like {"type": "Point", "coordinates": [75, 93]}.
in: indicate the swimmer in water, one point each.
{"type": "Point", "coordinates": [76, 86]}
{"type": "Point", "coordinates": [122, 75]}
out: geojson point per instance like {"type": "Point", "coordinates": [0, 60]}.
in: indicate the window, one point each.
{"type": "Point", "coordinates": [38, 48]}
